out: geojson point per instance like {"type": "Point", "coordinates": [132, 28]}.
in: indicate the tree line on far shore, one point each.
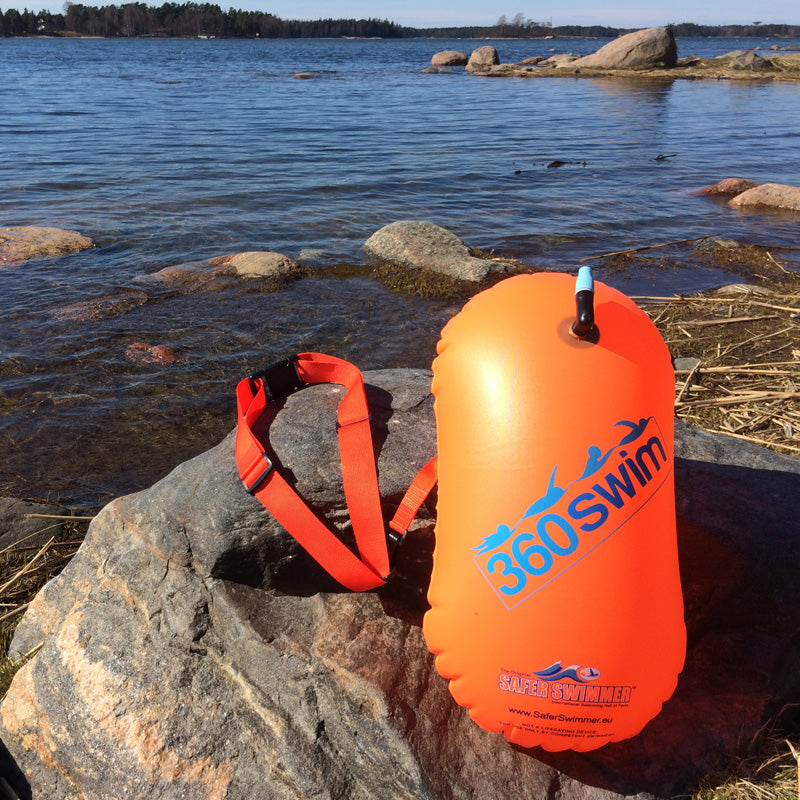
{"type": "Point", "coordinates": [191, 19]}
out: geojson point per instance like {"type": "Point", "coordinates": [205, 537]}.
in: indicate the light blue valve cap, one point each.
{"type": "Point", "coordinates": [585, 281]}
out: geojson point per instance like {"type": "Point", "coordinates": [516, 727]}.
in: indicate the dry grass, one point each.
{"type": "Point", "coordinates": [737, 349]}
{"type": "Point", "coordinates": [24, 569]}
{"type": "Point", "coordinates": [767, 769]}
{"type": "Point", "coordinates": [737, 363]}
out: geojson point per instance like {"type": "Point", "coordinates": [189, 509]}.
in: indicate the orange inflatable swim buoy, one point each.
{"type": "Point", "coordinates": [556, 606]}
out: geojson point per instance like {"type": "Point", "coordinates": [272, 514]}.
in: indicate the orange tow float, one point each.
{"type": "Point", "coordinates": [556, 607]}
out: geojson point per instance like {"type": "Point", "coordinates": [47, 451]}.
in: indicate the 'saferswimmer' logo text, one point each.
{"type": "Point", "coordinates": [568, 522]}
{"type": "Point", "coordinates": [570, 685]}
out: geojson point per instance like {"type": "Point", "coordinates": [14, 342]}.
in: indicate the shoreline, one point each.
{"type": "Point", "coordinates": [783, 67]}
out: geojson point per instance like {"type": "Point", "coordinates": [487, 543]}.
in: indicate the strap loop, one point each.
{"type": "Point", "coordinates": [255, 395]}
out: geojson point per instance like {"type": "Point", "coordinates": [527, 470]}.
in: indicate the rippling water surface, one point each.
{"type": "Point", "coordinates": [172, 151]}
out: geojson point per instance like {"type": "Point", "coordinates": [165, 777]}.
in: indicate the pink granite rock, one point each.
{"type": "Point", "coordinates": [769, 195]}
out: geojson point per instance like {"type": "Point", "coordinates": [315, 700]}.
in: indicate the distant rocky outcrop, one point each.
{"type": "Point", "coordinates": [23, 243]}
{"type": "Point", "coordinates": [192, 651]}
{"type": "Point", "coordinates": [651, 47]}
{"type": "Point", "coordinates": [412, 243]}
{"type": "Point", "coordinates": [482, 58]}
{"type": "Point", "coordinates": [651, 50]}
{"type": "Point", "coordinates": [449, 58]}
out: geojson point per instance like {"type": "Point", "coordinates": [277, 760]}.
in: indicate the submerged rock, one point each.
{"type": "Point", "coordinates": [188, 277]}
{"type": "Point", "coordinates": [23, 243]}
{"type": "Point", "coordinates": [143, 353]}
{"type": "Point", "coordinates": [412, 243]}
{"type": "Point", "coordinates": [192, 650]}
{"type": "Point", "coordinates": [715, 244]}
{"type": "Point", "coordinates": [258, 264]}
{"type": "Point", "coordinates": [197, 275]}
{"type": "Point", "coordinates": [103, 307]}
{"type": "Point", "coordinates": [651, 47]}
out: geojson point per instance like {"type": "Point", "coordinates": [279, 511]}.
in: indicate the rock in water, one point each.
{"type": "Point", "coordinates": [769, 195]}
{"type": "Point", "coordinates": [23, 243]}
{"type": "Point", "coordinates": [728, 187]}
{"type": "Point", "coordinates": [191, 650]}
{"type": "Point", "coordinates": [258, 264]}
{"type": "Point", "coordinates": [449, 58]}
{"type": "Point", "coordinates": [482, 58]}
{"type": "Point", "coordinates": [651, 47]}
{"type": "Point", "coordinates": [411, 243]}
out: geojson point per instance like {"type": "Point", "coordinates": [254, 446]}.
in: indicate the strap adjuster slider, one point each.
{"type": "Point", "coordinates": [252, 485]}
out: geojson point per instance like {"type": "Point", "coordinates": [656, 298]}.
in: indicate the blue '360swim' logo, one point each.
{"type": "Point", "coordinates": [559, 528]}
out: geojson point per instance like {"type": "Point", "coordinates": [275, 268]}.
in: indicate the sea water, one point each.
{"type": "Point", "coordinates": [173, 151]}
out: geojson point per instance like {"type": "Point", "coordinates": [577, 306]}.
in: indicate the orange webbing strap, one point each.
{"type": "Point", "coordinates": [420, 488]}
{"type": "Point", "coordinates": [254, 397]}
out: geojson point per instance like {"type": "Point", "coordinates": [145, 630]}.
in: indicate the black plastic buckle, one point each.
{"type": "Point", "coordinates": [394, 541]}
{"type": "Point", "coordinates": [280, 379]}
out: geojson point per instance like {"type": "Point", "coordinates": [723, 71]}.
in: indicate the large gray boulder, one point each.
{"type": "Point", "coordinates": [191, 650]}
{"type": "Point", "coordinates": [412, 243]}
{"type": "Point", "coordinates": [651, 47]}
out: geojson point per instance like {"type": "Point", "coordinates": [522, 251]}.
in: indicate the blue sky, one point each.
{"type": "Point", "coordinates": [438, 13]}
{"type": "Point", "coordinates": [622, 13]}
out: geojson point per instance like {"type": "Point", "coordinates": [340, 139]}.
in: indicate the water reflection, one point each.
{"type": "Point", "coordinates": [651, 91]}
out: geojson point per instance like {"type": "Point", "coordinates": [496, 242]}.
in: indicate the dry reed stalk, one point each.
{"type": "Point", "coordinates": [28, 567]}
{"type": "Point", "coordinates": [738, 385]}
{"type": "Point", "coordinates": [726, 321]}
{"type": "Point", "coordinates": [644, 247]}
{"type": "Point", "coordinates": [796, 757]}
